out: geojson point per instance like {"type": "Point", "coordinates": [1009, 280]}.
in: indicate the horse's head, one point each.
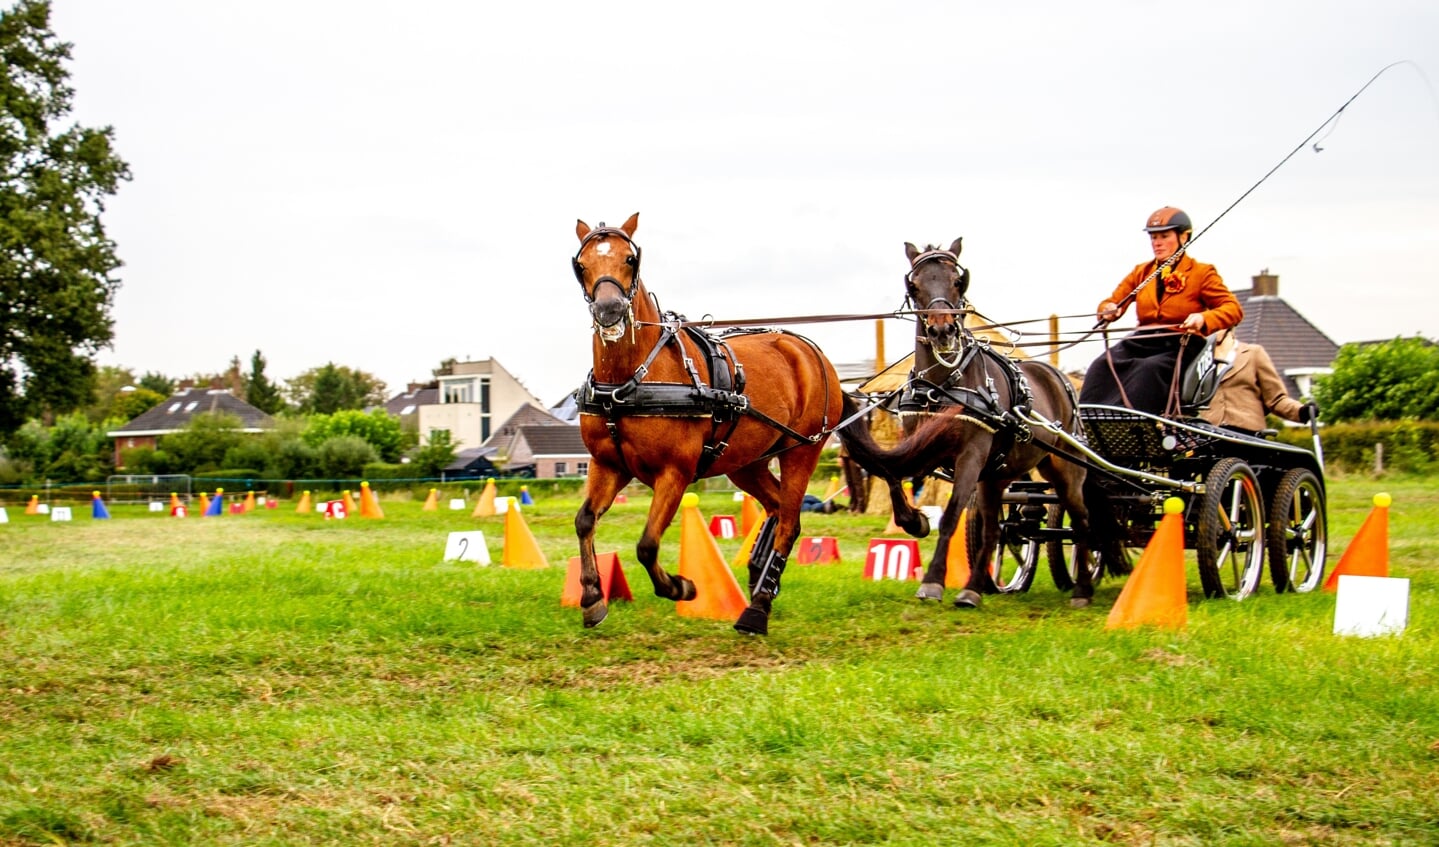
{"type": "Point", "coordinates": [608, 268]}
{"type": "Point", "coordinates": [936, 285]}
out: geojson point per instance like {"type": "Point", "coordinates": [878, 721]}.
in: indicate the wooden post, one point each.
{"type": "Point", "coordinates": [1378, 458]}
{"type": "Point", "coordinates": [1054, 340]}
{"type": "Point", "coordinates": [879, 361]}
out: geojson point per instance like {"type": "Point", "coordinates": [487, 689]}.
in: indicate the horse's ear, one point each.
{"type": "Point", "coordinates": [910, 251]}
{"type": "Point", "coordinates": [956, 247]}
{"type": "Point", "coordinates": [631, 225]}
{"type": "Point", "coordinates": [581, 229]}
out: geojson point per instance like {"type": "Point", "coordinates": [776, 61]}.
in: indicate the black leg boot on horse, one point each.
{"type": "Point", "coordinates": [766, 568]}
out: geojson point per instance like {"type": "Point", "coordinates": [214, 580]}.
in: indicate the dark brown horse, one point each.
{"type": "Point", "coordinates": [669, 405]}
{"type": "Point", "coordinates": [964, 410]}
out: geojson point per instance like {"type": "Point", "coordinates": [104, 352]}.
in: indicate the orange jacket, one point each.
{"type": "Point", "coordinates": [1199, 289]}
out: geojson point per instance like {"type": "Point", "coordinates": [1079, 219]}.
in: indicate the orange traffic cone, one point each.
{"type": "Point", "coordinates": [1368, 553]}
{"type": "Point", "coordinates": [521, 549]}
{"type": "Point", "coordinates": [432, 502]}
{"type": "Point", "coordinates": [305, 506]}
{"type": "Point", "coordinates": [250, 501]}
{"type": "Point", "coordinates": [956, 563]}
{"type": "Point", "coordinates": [33, 507]}
{"type": "Point", "coordinates": [370, 503]}
{"type": "Point", "coordinates": [349, 503]}
{"type": "Point", "coordinates": [893, 528]}
{"type": "Point", "coordinates": [717, 594]}
{"type": "Point", "coordinates": [751, 515]}
{"type": "Point", "coordinates": [204, 504]}
{"type": "Point", "coordinates": [612, 580]}
{"type": "Point", "coordinates": [1155, 593]}
{"type": "Point", "coordinates": [485, 507]}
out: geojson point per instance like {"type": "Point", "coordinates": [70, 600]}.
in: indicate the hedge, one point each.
{"type": "Point", "coordinates": [1409, 446]}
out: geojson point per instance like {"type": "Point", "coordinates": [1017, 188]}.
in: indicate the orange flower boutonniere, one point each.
{"type": "Point", "coordinates": [1173, 282]}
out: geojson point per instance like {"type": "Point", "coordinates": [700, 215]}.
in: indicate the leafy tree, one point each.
{"type": "Point", "coordinates": [259, 391]}
{"type": "Point", "coordinates": [331, 388]}
{"type": "Point", "coordinates": [131, 404]}
{"type": "Point", "coordinates": [158, 383]}
{"type": "Point", "coordinates": [56, 263]}
{"type": "Point", "coordinates": [202, 444]}
{"type": "Point", "coordinates": [377, 428]}
{"type": "Point", "coordinates": [429, 460]}
{"type": "Point", "coordinates": [1393, 380]}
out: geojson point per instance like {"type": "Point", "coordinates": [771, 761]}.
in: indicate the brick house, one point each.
{"type": "Point", "coordinates": [176, 412]}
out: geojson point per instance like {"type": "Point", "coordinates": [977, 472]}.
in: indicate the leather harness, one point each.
{"type": "Point", "coordinates": [722, 400]}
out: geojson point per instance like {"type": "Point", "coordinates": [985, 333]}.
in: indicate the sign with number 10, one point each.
{"type": "Point", "coordinates": [892, 558]}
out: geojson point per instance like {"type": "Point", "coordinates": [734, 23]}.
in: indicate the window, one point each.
{"type": "Point", "coordinates": [582, 468]}
{"type": "Point", "coordinates": [436, 433]}
{"type": "Point", "coordinates": [457, 392]}
{"type": "Point", "coordinates": [561, 468]}
{"type": "Point", "coordinates": [190, 406]}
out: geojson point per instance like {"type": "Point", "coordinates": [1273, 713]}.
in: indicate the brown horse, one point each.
{"type": "Point", "coordinates": [668, 405]}
{"type": "Point", "coordinates": [965, 410]}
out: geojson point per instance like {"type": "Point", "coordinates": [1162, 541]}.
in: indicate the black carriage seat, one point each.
{"type": "Point", "coordinates": [1200, 381]}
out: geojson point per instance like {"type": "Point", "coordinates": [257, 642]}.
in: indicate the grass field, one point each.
{"type": "Point", "coordinates": [275, 678]}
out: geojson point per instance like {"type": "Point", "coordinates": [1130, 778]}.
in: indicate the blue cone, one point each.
{"type": "Point", "coordinates": [97, 508]}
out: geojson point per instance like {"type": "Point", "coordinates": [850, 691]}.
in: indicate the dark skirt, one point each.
{"type": "Point", "coordinates": [1146, 364]}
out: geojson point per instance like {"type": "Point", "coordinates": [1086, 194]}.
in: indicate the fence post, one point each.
{"type": "Point", "coordinates": [1378, 458]}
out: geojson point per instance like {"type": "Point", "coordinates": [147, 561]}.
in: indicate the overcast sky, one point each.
{"type": "Point", "coordinates": [385, 185]}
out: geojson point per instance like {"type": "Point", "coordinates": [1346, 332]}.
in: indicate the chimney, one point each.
{"type": "Point", "coordinates": [1266, 284]}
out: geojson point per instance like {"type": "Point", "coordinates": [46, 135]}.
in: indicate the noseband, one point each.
{"type": "Point", "coordinates": [627, 293]}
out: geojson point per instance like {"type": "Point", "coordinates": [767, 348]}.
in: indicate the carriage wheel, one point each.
{"type": "Point", "coordinates": [1298, 532]}
{"type": "Point", "coordinates": [1060, 553]}
{"type": "Point", "coordinates": [1230, 543]}
{"type": "Point", "coordinates": [1015, 557]}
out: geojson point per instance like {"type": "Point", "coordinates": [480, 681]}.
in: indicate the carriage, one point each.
{"type": "Point", "coordinates": [1247, 499]}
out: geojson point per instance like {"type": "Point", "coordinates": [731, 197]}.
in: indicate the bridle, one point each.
{"type": "Point", "coordinates": [627, 293]}
{"type": "Point", "coordinates": [961, 282]}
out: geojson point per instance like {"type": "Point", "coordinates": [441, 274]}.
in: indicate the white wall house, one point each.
{"type": "Point", "coordinates": [474, 398]}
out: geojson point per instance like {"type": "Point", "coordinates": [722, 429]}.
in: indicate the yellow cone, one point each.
{"type": "Point", "coordinates": [521, 549]}
{"type": "Point", "coordinates": [432, 502]}
{"type": "Point", "coordinates": [305, 506]}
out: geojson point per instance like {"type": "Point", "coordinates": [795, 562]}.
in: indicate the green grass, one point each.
{"type": "Point", "coordinates": [277, 679]}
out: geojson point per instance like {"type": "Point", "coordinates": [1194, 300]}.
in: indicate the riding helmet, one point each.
{"type": "Point", "coordinates": [1168, 218]}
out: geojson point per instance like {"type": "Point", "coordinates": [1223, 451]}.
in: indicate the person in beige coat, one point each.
{"type": "Point", "coordinates": [1251, 388]}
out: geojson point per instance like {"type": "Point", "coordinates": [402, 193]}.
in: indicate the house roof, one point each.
{"type": "Point", "coordinates": [527, 415]}
{"type": "Point", "coordinates": [1291, 341]}
{"type": "Point", "coordinates": [471, 458]}
{"type": "Point", "coordinates": [409, 402]}
{"type": "Point", "coordinates": [176, 412]}
{"type": "Point", "coordinates": [553, 440]}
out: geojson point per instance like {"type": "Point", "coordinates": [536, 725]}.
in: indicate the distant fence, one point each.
{"type": "Point", "coordinates": [146, 488]}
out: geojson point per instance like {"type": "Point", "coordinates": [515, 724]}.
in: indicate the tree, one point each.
{"type": "Point", "coordinates": [1392, 380]}
{"type": "Point", "coordinates": [331, 388]}
{"type": "Point", "coordinates": [158, 383]}
{"type": "Point", "coordinates": [379, 429]}
{"type": "Point", "coordinates": [56, 263]}
{"type": "Point", "coordinates": [434, 457]}
{"type": "Point", "coordinates": [259, 391]}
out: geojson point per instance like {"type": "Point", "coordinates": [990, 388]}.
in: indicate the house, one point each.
{"type": "Point", "coordinates": [468, 399]}
{"type": "Point", "coordinates": [471, 463]}
{"type": "Point", "coordinates": [548, 451]}
{"type": "Point", "coordinates": [1298, 349]}
{"type": "Point", "coordinates": [406, 405]}
{"type": "Point", "coordinates": [173, 415]}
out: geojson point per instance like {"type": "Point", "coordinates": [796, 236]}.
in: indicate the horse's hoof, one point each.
{"type": "Point", "coordinates": [752, 621]}
{"type": "Point", "coordinates": [930, 591]}
{"type": "Point", "coordinates": [967, 600]}
{"type": "Point", "coordinates": [920, 525]}
{"type": "Point", "coordinates": [1079, 602]}
{"type": "Point", "coordinates": [595, 614]}
{"type": "Point", "coordinates": [687, 588]}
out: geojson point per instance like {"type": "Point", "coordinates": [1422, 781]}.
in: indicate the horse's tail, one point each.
{"type": "Point", "coordinates": [917, 455]}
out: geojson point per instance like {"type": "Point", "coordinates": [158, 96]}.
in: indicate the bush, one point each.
{"type": "Point", "coordinates": [1409, 446]}
{"type": "Point", "coordinates": [378, 429]}
{"type": "Point", "coordinates": [345, 457]}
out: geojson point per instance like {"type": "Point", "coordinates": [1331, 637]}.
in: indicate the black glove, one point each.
{"type": "Point", "coordinates": [1309, 412]}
